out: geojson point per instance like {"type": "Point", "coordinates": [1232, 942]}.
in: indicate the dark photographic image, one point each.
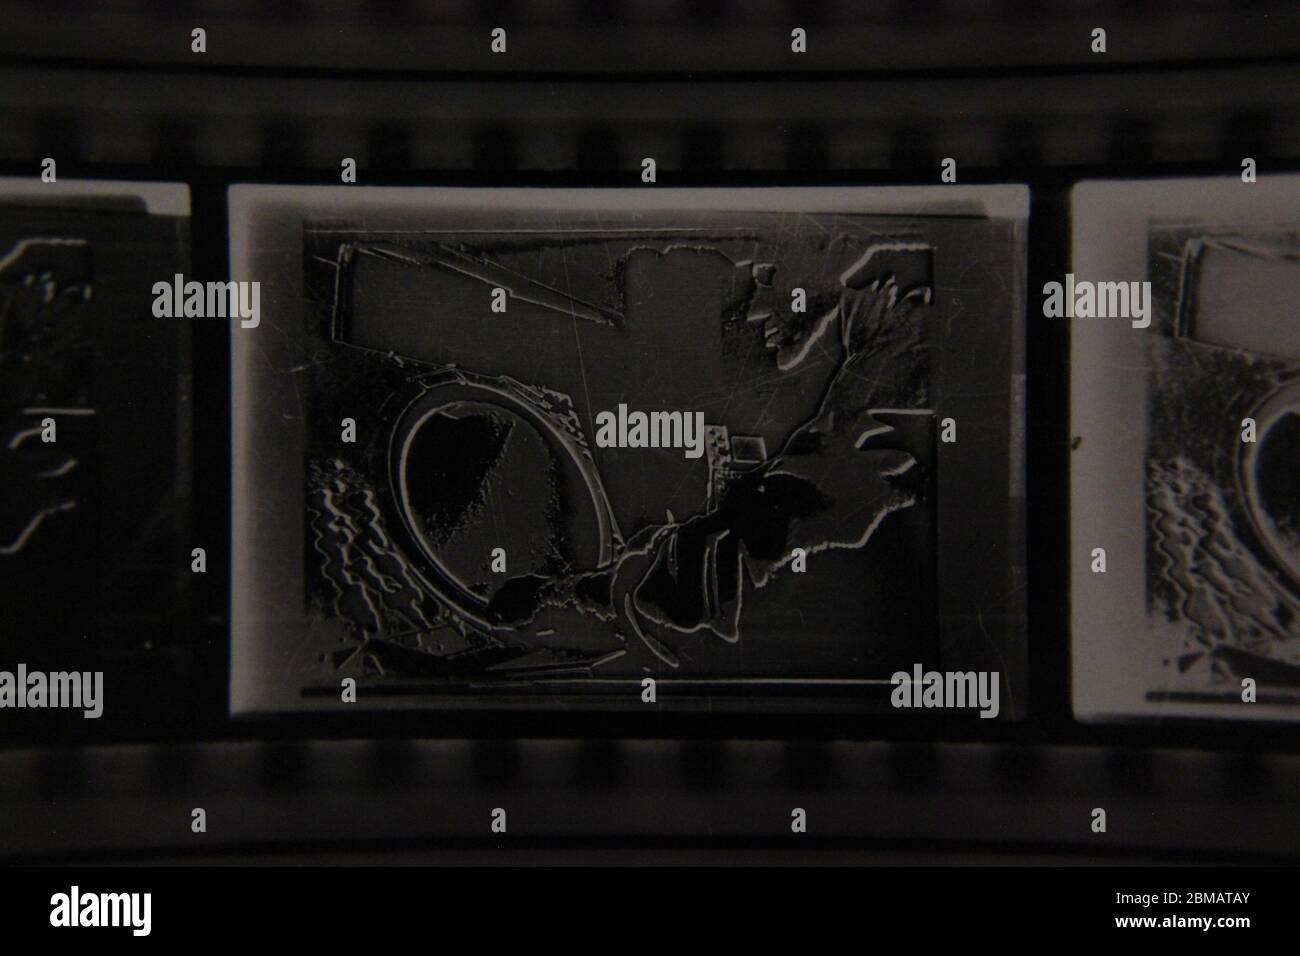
{"type": "Point", "coordinates": [533, 435]}
{"type": "Point", "coordinates": [546, 448]}
{"type": "Point", "coordinates": [1212, 571]}
{"type": "Point", "coordinates": [94, 444]}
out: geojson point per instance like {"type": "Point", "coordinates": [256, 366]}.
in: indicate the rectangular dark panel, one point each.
{"type": "Point", "coordinates": [447, 404]}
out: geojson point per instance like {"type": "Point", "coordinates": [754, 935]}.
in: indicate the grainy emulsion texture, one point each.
{"type": "Point", "coordinates": [599, 444]}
